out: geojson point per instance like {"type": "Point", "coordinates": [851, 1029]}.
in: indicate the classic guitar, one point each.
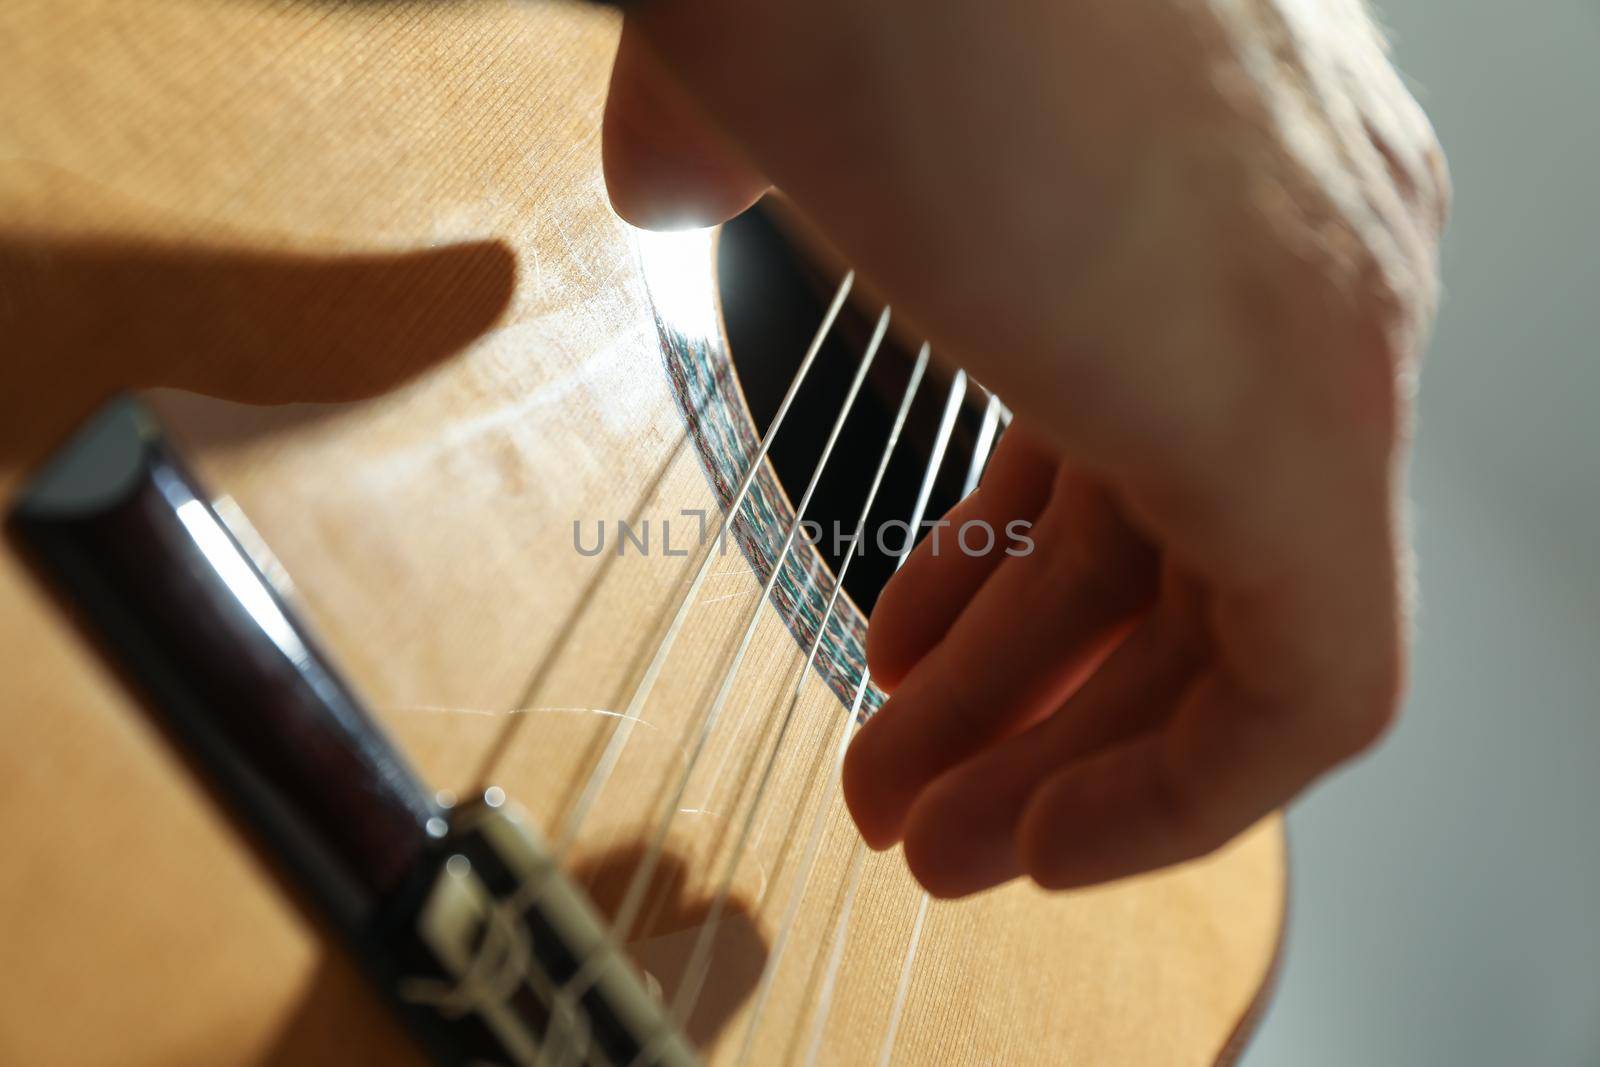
{"type": "Point", "coordinates": [349, 700]}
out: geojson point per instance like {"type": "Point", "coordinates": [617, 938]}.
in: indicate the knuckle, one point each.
{"type": "Point", "coordinates": [1415, 162]}
{"type": "Point", "coordinates": [1364, 716]}
{"type": "Point", "coordinates": [1438, 184]}
{"type": "Point", "coordinates": [1370, 729]}
{"type": "Point", "coordinates": [1424, 177]}
{"type": "Point", "coordinates": [1370, 719]}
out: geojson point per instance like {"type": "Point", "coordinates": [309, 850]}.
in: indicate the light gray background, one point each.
{"type": "Point", "coordinates": [1446, 905]}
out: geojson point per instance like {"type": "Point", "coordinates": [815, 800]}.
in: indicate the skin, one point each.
{"type": "Point", "coordinates": [1193, 245]}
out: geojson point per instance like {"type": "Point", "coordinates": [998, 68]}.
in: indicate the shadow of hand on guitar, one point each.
{"type": "Point", "coordinates": [670, 924]}
{"type": "Point", "coordinates": [82, 320]}
{"type": "Point", "coordinates": [338, 1021]}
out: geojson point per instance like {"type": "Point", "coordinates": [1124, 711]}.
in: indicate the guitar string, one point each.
{"type": "Point", "coordinates": [634, 898]}
{"type": "Point", "coordinates": [858, 851]}
{"type": "Point", "coordinates": [902, 989]}
{"type": "Point", "coordinates": [981, 449]}
{"type": "Point", "coordinates": [700, 957]}
{"type": "Point", "coordinates": [639, 884]}
{"type": "Point", "coordinates": [981, 452]}
{"type": "Point", "coordinates": [622, 729]}
{"type": "Point", "coordinates": [607, 763]}
{"type": "Point", "coordinates": [975, 469]}
{"type": "Point", "coordinates": [819, 820]}
{"type": "Point", "coordinates": [982, 446]}
{"type": "Point", "coordinates": [802, 875]}
{"type": "Point", "coordinates": [858, 860]}
{"type": "Point", "coordinates": [798, 882]}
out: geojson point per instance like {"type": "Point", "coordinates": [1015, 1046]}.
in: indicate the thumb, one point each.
{"type": "Point", "coordinates": [666, 165]}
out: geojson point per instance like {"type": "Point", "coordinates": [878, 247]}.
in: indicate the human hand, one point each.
{"type": "Point", "coordinates": [1193, 246]}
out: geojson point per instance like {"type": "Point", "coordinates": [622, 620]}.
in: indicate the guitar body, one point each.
{"type": "Point", "coordinates": [362, 258]}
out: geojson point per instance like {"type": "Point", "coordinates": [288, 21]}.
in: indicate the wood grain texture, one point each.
{"type": "Point", "coordinates": [387, 222]}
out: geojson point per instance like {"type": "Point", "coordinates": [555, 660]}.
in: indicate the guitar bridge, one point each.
{"type": "Point", "coordinates": [460, 918]}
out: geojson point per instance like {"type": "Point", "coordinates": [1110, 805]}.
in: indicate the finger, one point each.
{"type": "Point", "coordinates": [1306, 632]}
{"type": "Point", "coordinates": [962, 833]}
{"type": "Point", "coordinates": [1016, 651]}
{"type": "Point", "coordinates": [921, 601]}
{"type": "Point", "coordinates": [1226, 760]}
{"type": "Point", "coordinates": [666, 165]}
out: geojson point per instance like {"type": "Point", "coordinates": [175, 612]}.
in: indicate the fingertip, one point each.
{"type": "Point", "coordinates": [925, 598]}
{"type": "Point", "coordinates": [929, 867]}
{"type": "Point", "coordinates": [885, 650]}
{"type": "Point", "coordinates": [925, 854]}
{"type": "Point", "coordinates": [1069, 838]}
{"type": "Point", "coordinates": [1105, 819]}
{"type": "Point", "coordinates": [862, 782]}
{"type": "Point", "coordinates": [1045, 857]}
{"type": "Point", "coordinates": [941, 859]}
{"type": "Point", "coordinates": [912, 614]}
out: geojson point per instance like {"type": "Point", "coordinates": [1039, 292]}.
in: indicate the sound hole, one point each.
{"type": "Point", "coordinates": [773, 297]}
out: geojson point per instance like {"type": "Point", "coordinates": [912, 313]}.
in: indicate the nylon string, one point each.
{"type": "Point", "coordinates": [980, 457]}
{"type": "Point", "coordinates": [808, 860]}
{"type": "Point", "coordinates": [700, 957]}
{"type": "Point", "coordinates": [638, 886]}
{"type": "Point", "coordinates": [958, 390]}
{"type": "Point", "coordinates": [623, 727]}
